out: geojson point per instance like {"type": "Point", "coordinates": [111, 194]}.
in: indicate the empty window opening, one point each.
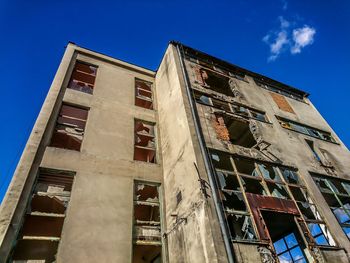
{"type": "Point", "coordinates": [145, 146]}
{"type": "Point", "coordinates": [285, 236]}
{"type": "Point", "coordinates": [143, 94]}
{"type": "Point", "coordinates": [70, 128]}
{"type": "Point", "coordinates": [221, 160]}
{"type": "Point", "coordinates": [42, 225]}
{"type": "Point", "coordinates": [147, 226]}
{"type": "Point", "coordinates": [246, 167]}
{"type": "Point", "coordinates": [214, 81]}
{"type": "Point", "coordinates": [83, 77]}
{"type": "Point", "coordinates": [239, 132]}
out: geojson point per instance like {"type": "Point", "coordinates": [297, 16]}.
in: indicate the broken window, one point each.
{"type": "Point", "coordinates": [42, 225]}
{"type": "Point", "coordinates": [222, 105]}
{"type": "Point", "coordinates": [145, 145]}
{"type": "Point", "coordinates": [258, 115]}
{"type": "Point", "coordinates": [213, 81]}
{"type": "Point", "coordinates": [241, 227]}
{"type": "Point", "coordinates": [202, 98]}
{"type": "Point", "coordinates": [239, 131]}
{"type": "Point", "coordinates": [307, 207]}
{"type": "Point", "coordinates": [313, 132]}
{"type": "Point", "coordinates": [143, 94]}
{"type": "Point", "coordinates": [83, 77]}
{"type": "Point", "coordinates": [147, 226]}
{"type": "Point", "coordinates": [246, 166]}
{"type": "Point", "coordinates": [70, 127]}
{"type": "Point", "coordinates": [278, 90]}
{"type": "Point", "coordinates": [336, 192]}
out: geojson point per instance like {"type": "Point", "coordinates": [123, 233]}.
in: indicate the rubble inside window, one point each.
{"type": "Point", "coordinates": [238, 131]}
{"type": "Point", "coordinates": [143, 94]}
{"type": "Point", "coordinates": [42, 225]}
{"type": "Point", "coordinates": [83, 77]}
{"type": "Point", "coordinates": [145, 145]}
{"type": "Point", "coordinates": [147, 225]}
{"type": "Point", "coordinates": [70, 128]}
{"type": "Point", "coordinates": [336, 192]}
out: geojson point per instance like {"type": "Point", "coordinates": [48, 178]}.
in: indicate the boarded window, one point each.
{"type": "Point", "coordinates": [70, 127]}
{"type": "Point", "coordinates": [143, 94]}
{"type": "Point", "coordinates": [83, 77]}
{"type": "Point", "coordinates": [42, 225]}
{"type": "Point", "coordinates": [147, 227]}
{"type": "Point", "coordinates": [282, 103]}
{"type": "Point", "coordinates": [145, 146]}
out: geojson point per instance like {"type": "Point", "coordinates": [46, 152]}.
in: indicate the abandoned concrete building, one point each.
{"type": "Point", "coordinates": [199, 161]}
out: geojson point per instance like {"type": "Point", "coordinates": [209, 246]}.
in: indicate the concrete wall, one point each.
{"type": "Point", "coordinates": [98, 223]}
{"type": "Point", "coordinates": [196, 236]}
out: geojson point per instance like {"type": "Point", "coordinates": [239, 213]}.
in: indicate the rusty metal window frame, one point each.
{"type": "Point", "coordinates": [287, 187]}
{"type": "Point", "coordinates": [305, 129]}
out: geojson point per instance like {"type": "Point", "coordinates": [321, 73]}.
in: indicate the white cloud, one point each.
{"type": "Point", "coordinates": [284, 23]}
{"type": "Point", "coordinates": [302, 37]}
{"type": "Point", "coordinates": [286, 38]}
{"type": "Point", "coordinates": [277, 46]}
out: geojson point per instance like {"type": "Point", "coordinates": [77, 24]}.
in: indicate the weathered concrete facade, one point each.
{"type": "Point", "coordinates": [201, 161]}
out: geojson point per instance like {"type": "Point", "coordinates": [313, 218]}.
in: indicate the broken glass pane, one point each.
{"type": "Point", "coordinates": [290, 176]}
{"type": "Point", "coordinates": [227, 181]}
{"type": "Point", "coordinates": [221, 161]}
{"type": "Point", "coordinates": [246, 167]}
{"type": "Point", "coordinates": [258, 115]}
{"type": "Point", "coordinates": [308, 210]}
{"type": "Point", "coordinates": [145, 192]}
{"type": "Point", "coordinates": [241, 227]}
{"type": "Point", "coordinates": [298, 194]}
{"type": "Point", "coordinates": [253, 186]}
{"type": "Point", "coordinates": [269, 172]}
{"type": "Point", "coordinates": [233, 200]}
{"type": "Point", "coordinates": [278, 190]}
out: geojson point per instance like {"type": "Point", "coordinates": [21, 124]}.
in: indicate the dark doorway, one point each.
{"type": "Point", "coordinates": [285, 236]}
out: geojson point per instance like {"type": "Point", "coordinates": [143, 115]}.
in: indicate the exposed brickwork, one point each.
{"type": "Point", "coordinates": [220, 129]}
{"type": "Point", "coordinates": [282, 103]}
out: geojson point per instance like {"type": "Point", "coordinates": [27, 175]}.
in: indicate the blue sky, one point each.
{"type": "Point", "coordinates": [302, 43]}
